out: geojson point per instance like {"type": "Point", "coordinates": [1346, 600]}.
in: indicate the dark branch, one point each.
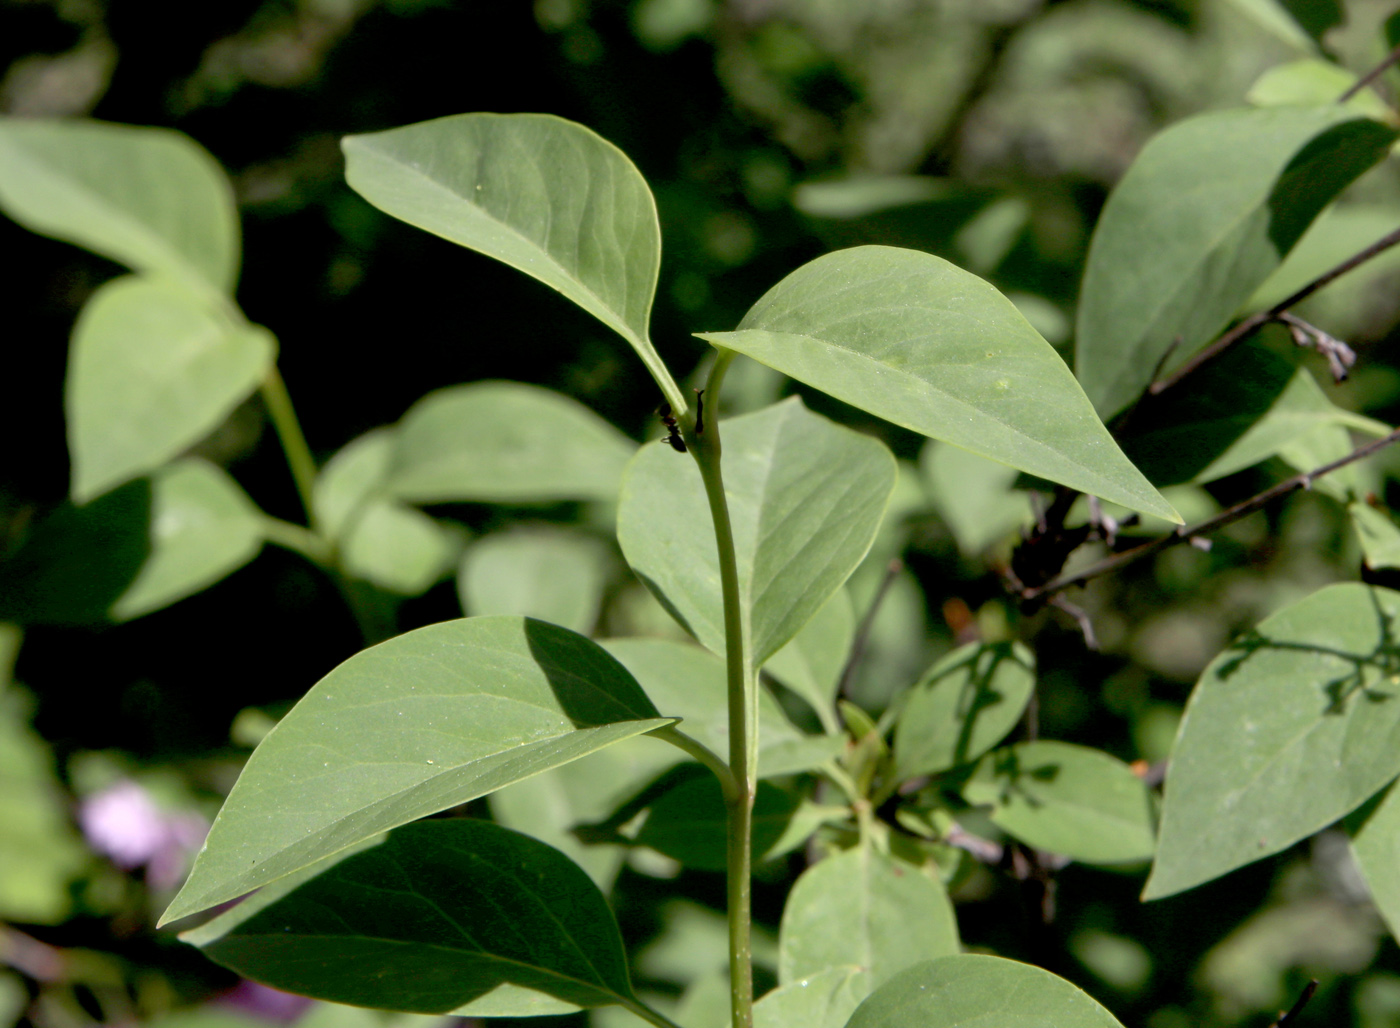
{"type": "Point", "coordinates": [1370, 76]}
{"type": "Point", "coordinates": [1255, 322]}
{"type": "Point", "coordinates": [848, 673]}
{"type": "Point", "coordinates": [1187, 533]}
{"type": "Point", "coordinates": [1297, 1008]}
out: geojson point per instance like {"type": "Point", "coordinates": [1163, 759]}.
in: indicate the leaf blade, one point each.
{"type": "Point", "coordinates": [476, 704]}
{"type": "Point", "coordinates": [437, 915]}
{"type": "Point", "coordinates": [149, 198]}
{"type": "Point", "coordinates": [544, 195]}
{"type": "Point", "coordinates": [932, 348]}
{"type": "Point", "coordinates": [1287, 731]}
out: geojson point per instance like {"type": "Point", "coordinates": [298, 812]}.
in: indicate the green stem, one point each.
{"type": "Point", "coordinates": [299, 459]}
{"type": "Point", "coordinates": [700, 752]}
{"type": "Point", "coordinates": [298, 539]}
{"type": "Point", "coordinates": [743, 707]}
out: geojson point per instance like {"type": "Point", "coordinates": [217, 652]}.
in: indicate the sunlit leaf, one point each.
{"type": "Point", "coordinates": [539, 193]}
{"type": "Point", "coordinates": [974, 495]}
{"type": "Point", "coordinates": [972, 989]}
{"type": "Point", "coordinates": [1375, 843]}
{"type": "Point", "coordinates": [1313, 81]}
{"type": "Point", "coordinates": [505, 442]}
{"type": "Point", "coordinates": [922, 343]}
{"type": "Point", "coordinates": [1067, 799]}
{"type": "Point", "coordinates": [962, 706]}
{"type": "Point", "coordinates": [806, 497]}
{"type": "Point", "coordinates": [1294, 725]}
{"type": "Point", "coordinates": [423, 722]}
{"type": "Point", "coordinates": [1379, 535]}
{"type": "Point", "coordinates": [548, 573]}
{"type": "Point", "coordinates": [687, 682]}
{"type": "Point", "coordinates": [148, 198]}
{"type": "Point", "coordinates": [865, 909]}
{"type": "Point", "coordinates": [153, 369]}
{"type": "Point", "coordinates": [436, 915]}
{"type": "Point", "coordinates": [811, 663]}
{"type": "Point", "coordinates": [823, 1000]}
{"type": "Point", "coordinates": [1208, 210]}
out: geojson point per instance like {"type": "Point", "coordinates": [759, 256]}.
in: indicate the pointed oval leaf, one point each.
{"type": "Point", "coordinates": [806, 497]}
{"type": "Point", "coordinates": [134, 550]}
{"type": "Point", "coordinates": [149, 198]}
{"type": "Point", "coordinates": [1208, 210]}
{"type": "Point", "coordinates": [865, 909]}
{"type": "Point", "coordinates": [1375, 843]}
{"type": "Point", "coordinates": [963, 706]}
{"type": "Point", "coordinates": [1294, 725]}
{"type": "Point", "coordinates": [922, 343]}
{"type": "Point", "coordinates": [505, 442]}
{"type": "Point", "coordinates": [553, 574]}
{"type": "Point", "coordinates": [823, 1000]}
{"type": "Point", "coordinates": [423, 722]}
{"type": "Point", "coordinates": [436, 915]}
{"type": "Point", "coordinates": [972, 989]}
{"type": "Point", "coordinates": [153, 369]}
{"type": "Point", "coordinates": [691, 684]}
{"type": "Point", "coordinates": [688, 823]}
{"type": "Point", "coordinates": [1067, 799]}
{"type": "Point", "coordinates": [544, 195]}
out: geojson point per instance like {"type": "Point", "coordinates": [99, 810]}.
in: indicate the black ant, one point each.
{"type": "Point", "coordinates": [664, 413]}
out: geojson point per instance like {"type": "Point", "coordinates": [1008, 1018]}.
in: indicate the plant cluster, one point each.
{"type": "Point", "coordinates": [747, 529]}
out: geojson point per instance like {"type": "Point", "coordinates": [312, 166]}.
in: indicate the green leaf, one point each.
{"type": "Point", "coordinates": [134, 550]}
{"type": "Point", "coordinates": [539, 193]}
{"type": "Point", "coordinates": [1295, 724]}
{"type": "Point", "coordinates": [972, 989]}
{"type": "Point", "coordinates": [1379, 535]}
{"type": "Point", "coordinates": [380, 540]}
{"type": "Point", "coordinates": [423, 722]}
{"type": "Point", "coordinates": [553, 574]}
{"type": "Point", "coordinates": [866, 909]}
{"type": "Point", "coordinates": [974, 495]}
{"type": "Point", "coordinates": [148, 198]}
{"type": "Point", "coordinates": [1313, 81]}
{"type": "Point", "coordinates": [688, 823]}
{"type": "Point", "coordinates": [434, 916]}
{"type": "Point", "coordinates": [962, 706]}
{"type": "Point", "coordinates": [1244, 407]}
{"type": "Point", "coordinates": [822, 1000]}
{"type": "Point", "coordinates": [1275, 18]}
{"type": "Point", "coordinates": [811, 663]}
{"type": "Point", "coordinates": [505, 442]}
{"type": "Point", "coordinates": [806, 497]}
{"type": "Point", "coordinates": [687, 682]}
{"type": "Point", "coordinates": [1208, 210]}
{"type": "Point", "coordinates": [1375, 842]}
{"type": "Point", "coordinates": [39, 851]}
{"type": "Point", "coordinates": [1067, 799]}
{"type": "Point", "coordinates": [922, 343]}
{"type": "Point", "coordinates": [153, 369]}
{"type": "Point", "coordinates": [549, 805]}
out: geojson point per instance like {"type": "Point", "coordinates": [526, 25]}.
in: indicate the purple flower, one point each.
{"type": "Point", "coordinates": [124, 823]}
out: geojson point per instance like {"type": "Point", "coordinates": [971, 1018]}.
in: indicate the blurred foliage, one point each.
{"type": "Point", "coordinates": [985, 131]}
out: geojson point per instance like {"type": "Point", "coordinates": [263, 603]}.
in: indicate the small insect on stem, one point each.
{"type": "Point", "coordinates": [664, 413]}
{"type": "Point", "coordinates": [699, 411]}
